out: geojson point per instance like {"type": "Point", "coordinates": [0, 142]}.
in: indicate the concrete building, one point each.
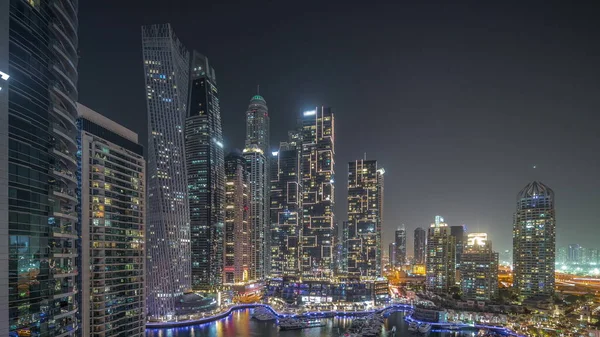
{"type": "Point", "coordinates": [440, 264]}
{"type": "Point", "coordinates": [479, 269]}
{"type": "Point", "coordinates": [113, 228]}
{"type": "Point", "coordinates": [534, 241]}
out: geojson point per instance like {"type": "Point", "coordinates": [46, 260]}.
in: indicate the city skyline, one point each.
{"type": "Point", "coordinates": [437, 101]}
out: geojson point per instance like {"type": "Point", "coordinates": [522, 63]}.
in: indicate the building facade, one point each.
{"type": "Point", "coordinates": [534, 241]}
{"type": "Point", "coordinates": [400, 240]}
{"type": "Point", "coordinates": [286, 208]}
{"type": "Point", "coordinates": [318, 185]}
{"type": "Point", "coordinates": [113, 228]}
{"type": "Point", "coordinates": [237, 220]}
{"type": "Point", "coordinates": [39, 274]}
{"type": "Point", "coordinates": [440, 263]}
{"type": "Point", "coordinates": [392, 255]}
{"type": "Point", "coordinates": [458, 232]}
{"type": "Point", "coordinates": [167, 73]}
{"type": "Point", "coordinates": [364, 225]}
{"type": "Point", "coordinates": [255, 152]}
{"type": "Point", "coordinates": [479, 269]}
{"type": "Point", "coordinates": [420, 246]}
{"type": "Point", "coordinates": [204, 159]}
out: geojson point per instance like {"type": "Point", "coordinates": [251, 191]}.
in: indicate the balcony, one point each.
{"type": "Point", "coordinates": [65, 193]}
{"type": "Point", "coordinates": [65, 154]}
{"type": "Point", "coordinates": [68, 136]}
{"type": "Point", "coordinates": [66, 174]}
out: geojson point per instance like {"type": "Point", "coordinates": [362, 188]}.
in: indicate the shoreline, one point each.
{"type": "Point", "coordinates": [324, 314]}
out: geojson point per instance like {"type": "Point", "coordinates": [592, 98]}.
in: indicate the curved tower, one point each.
{"type": "Point", "coordinates": [534, 241]}
{"type": "Point", "coordinates": [257, 146]}
{"type": "Point", "coordinates": [38, 115]}
{"type": "Point", "coordinates": [167, 71]}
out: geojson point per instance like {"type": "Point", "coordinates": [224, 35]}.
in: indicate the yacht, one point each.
{"type": "Point", "coordinates": [413, 326]}
{"type": "Point", "coordinates": [425, 327]}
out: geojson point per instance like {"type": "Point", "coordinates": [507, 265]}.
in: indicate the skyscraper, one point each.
{"type": "Point", "coordinates": [400, 239]}
{"type": "Point", "coordinates": [286, 207]}
{"type": "Point", "coordinates": [237, 216]}
{"type": "Point", "coordinates": [575, 253]}
{"type": "Point", "coordinates": [167, 73]}
{"type": "Point", "coordinates": [38, 144]}
{"type": "Point", "coordinates": [113, 229]}
{"type": "Point", "coordinates": [440, 266]}
{"type": "Point", "coordinates": [204, 161]}
{"type": "Point", "coordinates": [318, 152]}
{"type": "Point", "coordinates": [364, 227]}
{"type": "Point", "coordinates": [479, 268]}
{"type": "Point", "coordinates": [255, 152]}
{"type": "Point", "coordinates": [420, 245]}
{"type": "Point", "coordinates": [392, 255]}
{"type": "Point", "coordinates": [534, 240]}
{"type": "Point", "coordinates": [458, 232]}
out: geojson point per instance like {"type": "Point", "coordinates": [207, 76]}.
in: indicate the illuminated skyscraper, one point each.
{"type": "Point", "coordinates": [364, 225]}
{"type": "Point", "coordinates": [400, 239]}
{"type": "Point", "coordinates": [575, 253]}
{"type": "Point", "coordinates": [420, 245]}
{"type": "Point", "coordinates": [237, 216]}
{"type": "Point", "coordinates": [204, 160]}
{"type": "Point", "coordinates": [286, 207]}
{"type": "Point", "coordinates": [392, 254]}
{"type": "Point", "coordinates": [318, 152]}
{"type": "Point", "coordinates": [167, 73]}
{"type": "Point", "coordinates": [534, 240]}
{"type": "Point", "coordinates": [39, 255]}
{"type": "Point", "coordinates": [440, 265]}
{"type": "Point", "coordinates": [458, 232]}
{"type": "Point", "coordinates": [479, 268]}
{"type": "Point", "coordinates": [113, 228]}
{"type": "Point", "coordinates": [255, 152]}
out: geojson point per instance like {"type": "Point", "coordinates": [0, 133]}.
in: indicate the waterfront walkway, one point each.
{"type": "Point", "coordinates": [320, 314]}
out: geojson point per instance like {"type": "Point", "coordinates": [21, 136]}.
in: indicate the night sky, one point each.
{"type": "Point", "coordinates": [457, 103]}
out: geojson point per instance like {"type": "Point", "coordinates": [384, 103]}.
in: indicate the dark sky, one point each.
{"type": "Point", "coordinates": [457, 102]}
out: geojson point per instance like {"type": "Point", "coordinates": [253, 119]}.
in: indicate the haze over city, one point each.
{"type": "Point", "coordinates": [457, 102]}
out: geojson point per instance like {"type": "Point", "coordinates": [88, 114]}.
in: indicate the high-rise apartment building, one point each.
{"type": "Point", "coordinates": [440, 263]}
{"type": "Point", "coordinates": [113, 228]}
{"type": "Point", "coordinates": [479, 268]}
{"type": "Point", "coordinates": [255, 152]}
{"type": "Point", "coordinates": [458, 232]}
{"type": "Point", "coordinates": [204, 159]}
{"type": "Point", "coordinates": [237, 220]}
{"type": "Point", "coordinates": [318, 152]}
{"type": "Point", "coordinates": [364, 225]}
{"type": "Point", "coordinates": [392, 255]}
{"type": "Point", "coordinates": [286, 207]}
{"type": "Point", "coordinates": [534, 240]}
{"type": "Point", "coordinates": [575, 253]}
{"type": "Point", "coordinates": [561, 255]}
{"type": "Point", "coordinates": [420, 246]}
{"type": "Point", "coordinates": [40, 267]}
{"type": "Point", "coordinates": [400, 240]}
{"type": "Point", "coordinates": [167, 74]}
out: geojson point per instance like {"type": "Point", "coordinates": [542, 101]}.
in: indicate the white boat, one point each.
{"type": "Point", "coordinates": [413, 326]}
{"type": "Point", "coordinates": [425, 327]}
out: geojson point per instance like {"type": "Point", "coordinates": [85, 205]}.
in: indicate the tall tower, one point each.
{"type": "Point", "coordinates": [40, 267]}
{"type": "Point", "coordinates": [420, 245]}
{"type": "Point", "coordinates": [440, 265]}
{"type": "Point", "coordinates": [534, 240]}
{"type": "Point", "coordinates": [479, 268]}
{"type": "Point", "coordinates": [364, 254]}
{"type": "Point", "coordinates": [237, 224]}
{"type": "Point", "coordinates": [112, 179]}
{"type": "Point", "coordinates": [167, 73]}
{"type": "Point", "coordinates": [400, 240]}
{"type": "Point", "coordinates": [458, 232]}
{"type": "Point", "coordinates": [255, 152]}
{"type": "Point", "coordinates": [286, 207]}
{"type": "Point", "coordinates": [204, 159]}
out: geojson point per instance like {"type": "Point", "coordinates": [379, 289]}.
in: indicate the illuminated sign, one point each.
{"type": "Point", "coordinates": [310, 113]}
{"type": "Point", "coordinates": [275, 153]}
{"type": "Point", "coordinates": [218, 143]}
{"type": "Point", "coordinates": [4, 76]}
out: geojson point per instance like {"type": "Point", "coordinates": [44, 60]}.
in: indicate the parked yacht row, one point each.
{"type": "Point", "coordinates": [369, 326]}
{"type": "Point", "coordinates": [292, 323]}
{"type": "Point", "coordinates": [416, 327]}
{"type": "Point", "coordinates": [263, 314]}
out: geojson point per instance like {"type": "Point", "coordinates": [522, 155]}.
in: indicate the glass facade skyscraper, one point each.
{"type": "Point", "coordinates": [38, 141]}
{"type": "Point", "coordinates": [400, 240]}
{"type": "Point", "coordinates": [534, 241]}
{"type": "Point", "coordinates": [113, 225]}
{"type": "Point", "coordinates": [318, 172]}
{"type": "Point", "coordinates": [204, 159]}
{"type": "Point", "coordinates": [420, 245]}
{"type": "Point", "coordinates": [364, 225]}
{"type": "Point", "coordinates": [255, 152]}
{"type": "Point", "coordinates": [286, 207]}
{"type": "Point", "coordinates": [167, 74]}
